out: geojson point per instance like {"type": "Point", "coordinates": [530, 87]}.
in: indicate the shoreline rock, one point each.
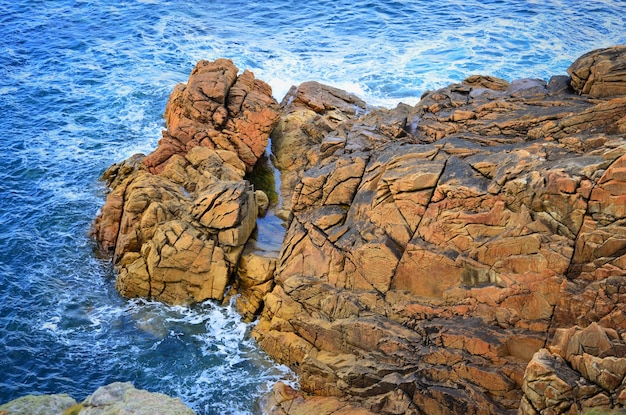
{"type": "Point", "coordinates": [431, 251]}
{"type": "Point", "coordinates": [177, 220]}
{"type": "Point", "coordinates": [113, 399]}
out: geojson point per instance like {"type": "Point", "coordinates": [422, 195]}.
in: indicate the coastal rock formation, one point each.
{"type": "Point", "coordinates": [219, 109]}
{"type": "Point", "coordinates": [433, 250]}
{"type": "Point", "coordinates": [310, 113]}
{"type": "Point", "coordinates": [176, 220]}
{"type": "Point", "coordinates": [114, 399]}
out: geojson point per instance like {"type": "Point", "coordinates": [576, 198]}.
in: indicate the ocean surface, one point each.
{"type": "Point", "coordinates": [83, 84]}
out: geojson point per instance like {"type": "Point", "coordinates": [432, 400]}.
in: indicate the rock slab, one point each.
{"type": "Point", "coordinates": [433, 250]}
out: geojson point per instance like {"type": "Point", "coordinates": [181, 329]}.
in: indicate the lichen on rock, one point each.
{"type": "Point", "coordinates": [176, 221]}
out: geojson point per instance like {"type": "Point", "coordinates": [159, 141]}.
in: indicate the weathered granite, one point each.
{"type": "Point", "coordinates": [582, 369]}
{"type": "Point", "coordinates": [176, 221]}
{"type": "Point", "coordinates": [124, 399]}
{"type": "Point", "coordinates": [113, 399]}
{"type": "Point", "coordinates": [432, 250]}
{"type": "Point", "coordinates": [38, 405]}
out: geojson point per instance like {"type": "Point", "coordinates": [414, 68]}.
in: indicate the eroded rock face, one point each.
{"type": "Point", "coordinates": [582, 369]}
{"type": "Point", "coordinates": [38, 405]}
{"type": "Point", "coordinates": [310, 113]}
{"type": "Point", "coordinates": [114, 399]}
{"type": "Point", "coordinates": [600, 73]}
{"type": "Point", "coordinates": [434, 249]}
{"type": "Point", "coordinates": [176, 221]}
{"type": "Point", "coordinates": [123, 398]}
{"type": "Point", "coordinates": [219, 109]}
{"type": "Point", "coordinates": [431, 252]}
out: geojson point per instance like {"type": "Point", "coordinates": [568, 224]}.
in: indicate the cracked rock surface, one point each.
{"type": "Point", "coordinates": [176, 221]}
{"type": "Point", "coordinates": [432, 251]}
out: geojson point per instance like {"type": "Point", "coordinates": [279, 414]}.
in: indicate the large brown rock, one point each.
{"type": "Point", "coordinates": [582, 369]}
{"type": "Point", "coordinates": [432, 250]}
{"type": "Point", "coordinates": [309, 113]}
{"type": "Point", "coordinates": [177, 221]}
{"type": "Point", "coordinates": [600, 73]}
{"type": "Point", "coordinates": [217, 109]}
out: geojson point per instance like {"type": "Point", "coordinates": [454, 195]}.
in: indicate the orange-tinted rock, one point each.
{"type": "Point", "coordinates": [434, 249]}
{"type": "Point", "coordinates": [600, 73]}
{"type": "Point", "coordinates": [217, 109]}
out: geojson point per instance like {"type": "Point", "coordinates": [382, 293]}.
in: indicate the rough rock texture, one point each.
{"type": "Point", "coordinates": [113, 399]}
{"type": "Point", "coordinates": [310, 113]}
{"type": "Point", "coordinates": [600, 73]}
{"type": "Point", "coordinates": [176, 221]}
{"type": "Point", "coordinates": [583, 369]}
{"type": "Point", "coordinates": [284, 400]}
{"type": "Point", "coordinates": [433, 250]}
{"type": "Point", "coordinates": [255, 279]}
{"type": "Point", "coordinates": [123, 399]}
{"type": "Point", "coordinates": [219, 109]}
{"type": "Point", "coordinates": [38, 405]}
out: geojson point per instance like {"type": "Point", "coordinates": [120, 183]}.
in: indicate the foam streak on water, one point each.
{"type": "Point", "coordinates": [83, 84]}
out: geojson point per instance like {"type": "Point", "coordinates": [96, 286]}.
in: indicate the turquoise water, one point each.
{"type": "Point", "coordinates": [83, 84]}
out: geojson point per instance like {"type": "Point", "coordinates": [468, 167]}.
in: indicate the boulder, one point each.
{"type": "Point", "coordinates": [600, 73]}
{"type": "Point", "coordinates": [582, 369]}
{"type": "Point", "coordinates": [38, 405]}
{"type": "Point", "coordinates": [113, 399]}
{"type": "Point", "coordinates": [122, 398]}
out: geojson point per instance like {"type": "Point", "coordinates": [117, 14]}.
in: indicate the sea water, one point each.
{"type": "Point", "coordinates": [83, 84]}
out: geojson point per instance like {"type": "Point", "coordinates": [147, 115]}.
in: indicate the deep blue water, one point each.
{"type": "Point", "coordinates": [83, 84]}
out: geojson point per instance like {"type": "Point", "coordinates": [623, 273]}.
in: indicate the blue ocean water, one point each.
{"type": "Point", "coordinates": [83, 84]}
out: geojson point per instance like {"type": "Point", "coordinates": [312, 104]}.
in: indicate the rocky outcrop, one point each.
{"type": "Point", "coordinates": [310, 113]}
{"type": "Point", "coordinates": [432, 250]}
{"type": "Point", "coordinates": [38, 405]}
{"type": "Point", "coordinates": [600, 73]}
{"type": "Point", "coordinates": [176, 221]}
{"type": "Point", "coordinates": [114, 399]}
{"type": "Point", "coordinates": [219, 109]}
{"type": "Point", "coordinates": [123, 398]}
